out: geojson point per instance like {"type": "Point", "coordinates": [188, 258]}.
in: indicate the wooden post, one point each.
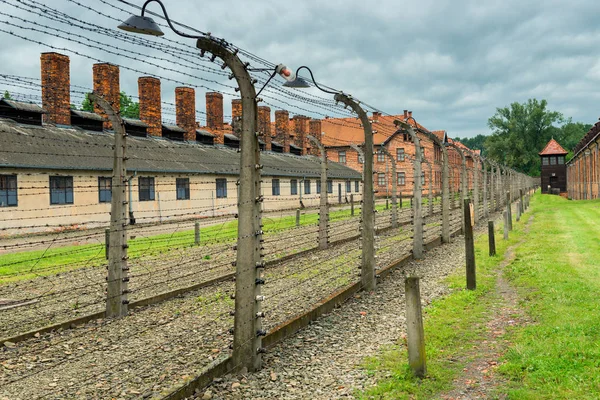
{"type": "Point", "coordinates": [352, 205]}
{"type": "Point", "coordinates": [469, 246]}
{"type": "Point", "coordinates": [491, 238]}
{"type": "Point", "coordinates": [298, 217]}
{"type": "Point", "coordinates": [106, 242]}
{"type": "Point", "coordinates": [505, 217]}
{"type": "Point", "coordinates": [415, 335]}
{"type": "Point", "coordinates": [116, 290]}
{"type": "Point", "coordinates": [197, 233]}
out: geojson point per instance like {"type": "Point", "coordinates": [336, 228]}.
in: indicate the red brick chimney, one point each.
{"type": "Point", "coordinates": [185, 111]}
{"type": "Point", "coordinates": [405, 114]}
{"type": "Point", "coordinates": [282, 129]}
{"type": "Point", "coordinates": [56, 88]}
{"type": "Point", "coordinates": [106, 84]}
{"type": "Point", "coordinates": [236, 117]}
{"type": "Point", "coordinates": [150, 104]}
{"type": "Point", "coordinates": [409, 114]}
{"type": "Point", "coordinates": [376, 115]}
{"type": "Point", "coordinates": [214, 115]}
{"type": "Point", "coordinates": [264, 125]}
{"type": "Point", "coordinates": [314, 128]}
{"type": "Point", "coordinates": [300, 131]}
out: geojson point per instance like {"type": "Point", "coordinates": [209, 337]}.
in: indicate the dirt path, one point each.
{"type": "Point", "coordinates": [480, 378]}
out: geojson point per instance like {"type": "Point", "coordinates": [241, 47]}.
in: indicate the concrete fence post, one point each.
{"type": "Point", "coordinates": [415, 335]}
{"type": "Point", "coordinates": [352, 205]}
{"type": "Point", "coordinates": [509, 211]}
{"type": "Point", "coordinates": [469, 246]}
{"type": "Point", "coordinates": [505, 218]}
{"type": "Point", "coordinates": [297, 217]}
{"type": "Point", "coordinates": [106, 242]}
{"type": "Point", "coordinates": [116, 291]}
{"type": "Point", "coordinates": [491, 238]}
{"type": "Point", "coordinates": [197, 233]}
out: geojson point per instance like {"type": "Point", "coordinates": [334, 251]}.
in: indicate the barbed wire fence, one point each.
{"type": "Point", "coordinates": [177, 287]}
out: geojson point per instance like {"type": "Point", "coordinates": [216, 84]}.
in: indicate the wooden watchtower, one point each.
{"type": "Point", "coordinates": [554, 169]}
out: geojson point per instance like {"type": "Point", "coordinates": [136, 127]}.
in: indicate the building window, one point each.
{"type": "Point", "coordinates": [221, 188]}
{"type": "Point", "coordinates": [552, 160]}
{"type": "Point", "coordinates": [356, 186]}
{"type": "Point", "coordinates": [61, 190]}
{"type": "Point", "coordinates": [348, 186]}
{"type": "Point", "coordinates": [380, 156]}
{"type": "Point", "coordinates": [545, 161]}
{"type": "Point", "coordinates": [422, 178]}
{"type": "Point", "coordinates": [342, 157]}
{"type": "Point", "coordinates": [307, 186]}
{"type": "Point", "coordinates": [275, 187]}
{"type": "Point", "coordinates": [146, 188]}
{"type": "Point", "coordinates": [104, 189]}
{"type": "Point", "coordinates": [400, 154]}
{"type": "Point", "coordinates": [8, 190]}
{"type": "Point", "coordinates": [318, 186]}
{"type": "Point", "coordinates": [293, 186]}
{"type": "Point", "coordinates": [329, 186]}
{"type": "Point", "coordinates": [561, 160]}
{"type": "Point", "coordinates": [401, 178]}
{"type": "Point", "coordinates": [183, 188]}
{"type": "Point", "coordinates": [381, 179]}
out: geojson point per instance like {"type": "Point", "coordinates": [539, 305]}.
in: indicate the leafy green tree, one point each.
{"type": "Point", "coordinates": [129, 108]}
{"type": "Point", "coordinates": [7, 95]}
{"type": "Point", "coordinates": [570, 134]}
{"type": "Point", "coordinates": [474, 143]}
{"type": "Point", "coordinates": [519, 133]}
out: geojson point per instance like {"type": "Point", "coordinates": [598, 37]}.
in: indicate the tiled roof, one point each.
{"type": "Point", "coordinates": [344, 131]}
{"type": "Point", "coordinates": [553, 148]}
{"type": "Point", "coordinates": [74, 149]}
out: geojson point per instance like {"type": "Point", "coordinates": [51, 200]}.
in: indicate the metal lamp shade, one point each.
{"type": "Point", "coordinates": [298, 83]}
{"type": "Point", "coordinates": [141, 24]}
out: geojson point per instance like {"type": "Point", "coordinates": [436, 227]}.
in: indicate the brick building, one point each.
{"type": "Point", "coordinates": [583, 170]}
{"type": "Point", "coordinates": [58, 170]}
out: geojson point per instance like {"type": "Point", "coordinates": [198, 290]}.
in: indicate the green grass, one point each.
{"type": "Point", "coordinates": [28, 264]}
{"type": "Point", "coordinates": [557, 272]}
{"type": "Point", "coordinates": [453, 324]}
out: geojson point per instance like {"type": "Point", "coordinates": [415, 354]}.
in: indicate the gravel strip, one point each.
{"type": "Point", "coordinates": [158, 347]}
{"type": "Point", "coordinates": [323, 361]}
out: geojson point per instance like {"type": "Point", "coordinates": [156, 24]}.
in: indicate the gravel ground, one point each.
{"type": "Point", "coordinates": [71, 294]}
{"type": "Point", "coordinates": [323, 361]}
{"type": "Point", "coordinates": [67, 295]}
{"type": "Point", "coordinates": [158, 347]}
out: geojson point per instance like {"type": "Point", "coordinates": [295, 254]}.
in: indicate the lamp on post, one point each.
{"type": "Point", "coordinates": [247, 344]}
{"type": "Point", "coordinates": [368, 278]}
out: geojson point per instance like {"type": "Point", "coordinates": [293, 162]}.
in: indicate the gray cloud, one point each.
{"type": "Point", "coordinates": [452, 63]}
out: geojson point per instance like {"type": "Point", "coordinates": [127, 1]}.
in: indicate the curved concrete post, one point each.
{"type": "Point", "coordinates": [445, 184]}
{"type": "Point", "coordinates": [116, 290]}
{"type": "Point", "coordinates": [368, 208]}
{"type": "Point", "coordinates": [394, 187]}
{"type": "Point", "coordinates": [249, 265]}
{"type": "Point", "coordinates": [464, 191]}
{"type": "Point", "coordinates": [323, 207]}
{"type": "Point", "coordinates": [417, 192]}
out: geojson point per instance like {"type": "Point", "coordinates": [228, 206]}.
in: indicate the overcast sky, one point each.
{"type": "Point", "coordinates": [451, 62]}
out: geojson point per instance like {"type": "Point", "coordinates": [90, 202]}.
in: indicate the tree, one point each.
{"type": "Point", "coordinates": [520, 132]}
{"type": "Point", "coordinates": [570, 134]}
{"type": "Point", "coordinates": [129, 108]}
{"type": "Point", "coordinates": [7, 95]}
{"type": "Point", "coordinates": [474, 143]}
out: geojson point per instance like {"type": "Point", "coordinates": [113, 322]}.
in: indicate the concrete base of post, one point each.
{"type": "Point", "coordinates": [415, 335]}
